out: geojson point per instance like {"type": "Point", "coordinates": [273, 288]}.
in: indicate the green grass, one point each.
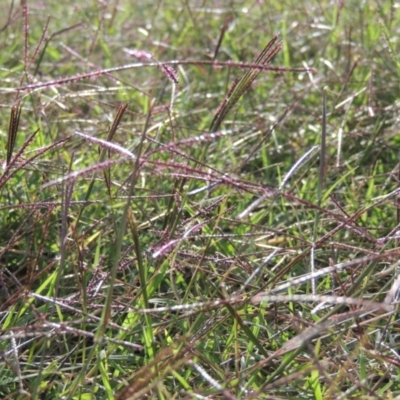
{"type": "Point", "coordinates": [231, 236]}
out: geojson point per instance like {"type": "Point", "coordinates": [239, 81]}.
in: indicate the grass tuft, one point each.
{"type": "Point", "coordinates": [191, 224]}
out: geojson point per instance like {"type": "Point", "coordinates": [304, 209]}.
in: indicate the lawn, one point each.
{"type": "Point", "coordinates": [199, 199]}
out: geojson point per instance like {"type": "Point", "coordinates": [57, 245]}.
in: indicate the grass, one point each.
{"type": "Point", "coordinates": [199, 200]}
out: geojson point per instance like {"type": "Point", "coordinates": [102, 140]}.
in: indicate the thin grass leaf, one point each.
{"type": "Point", "coordinates": [298, 164]}
{"type": "Point", "coordinates": [111, 133]}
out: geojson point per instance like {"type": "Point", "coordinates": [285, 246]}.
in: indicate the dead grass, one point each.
{"type": "Point", "coordinates": [194, 207]}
